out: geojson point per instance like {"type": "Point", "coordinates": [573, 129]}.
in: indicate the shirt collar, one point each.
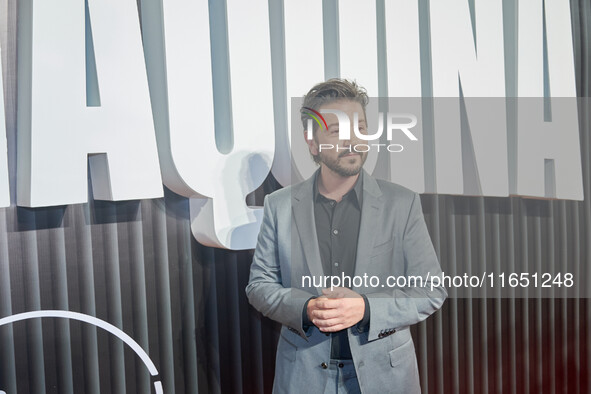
{"type": "Point", "coordinates": [356, 193]}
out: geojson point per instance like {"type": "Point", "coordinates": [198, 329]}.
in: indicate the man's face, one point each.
{"type": "Point", "coordinates": [340, 161]}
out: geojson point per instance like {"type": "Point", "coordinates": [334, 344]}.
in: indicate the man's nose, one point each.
{"type": "Point", "coordinates": [347, 141]}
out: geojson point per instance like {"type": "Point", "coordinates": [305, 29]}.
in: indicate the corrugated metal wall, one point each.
{"type": "Point", "coordinates": [136, 265]}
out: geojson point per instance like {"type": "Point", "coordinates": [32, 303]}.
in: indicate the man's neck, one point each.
{"type": "Point", "coordinates": [334, 186]}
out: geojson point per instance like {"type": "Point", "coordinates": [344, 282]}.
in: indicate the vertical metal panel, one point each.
{"type": "Point", "coordinates": [187, 287]}
{"type": "Point", "coordinates": [576, 320]}
{"type": "Point", "coordinates": [432, 373]}
{"type": "Point", "coordinates": [423, 355]}
{"type": "Point", "coordinates": [7, 356]}
{"type": "Point", "coordinates": [430, 203]}
{"type": "Point", "coordinates": [256, 362]}
{"type": "Point", "coordinates": [467, 316]}
{"type": "Point", "coordinates": [109, 257]}
{"type": "Point", "coordinates": [138, 285]}
{"type": "Point", "coordinates": [497, 321]}
{"type": "Point", "coordinates": [482, 383]}
{"type": "Point", "coordinates": [161, 266]}
{"type": "Point", "coordinates": [30, 267]}
{"type": "Point", "coordinates": [537, 375]}
{"type": "Point", "coordinates": [438, 323]}
{"type": "Point", "coordinates": [214, 367]}
{"type": "Point", "coordinates": [59, 282]}
{"type": "Point", "coordinates": [562, 303]}
{"type": "Point", "coordinates": [84, 263]}
{"type": "Point", "coordinates": [232, 292]}
{"type": "Point", "coordinates": [512, 224]}
{"type": "Point", "coordinates": [551, 264]}
{"type": "Point", "coordinates": [525, 352]}
{"type": "Point", "coordinates": [453, 301]}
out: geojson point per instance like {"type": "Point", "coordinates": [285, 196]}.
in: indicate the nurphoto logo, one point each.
{"type": "Point", "coordinates": [394, 122]}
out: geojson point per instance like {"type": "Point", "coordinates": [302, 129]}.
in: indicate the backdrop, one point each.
{"type": "Point", "coordinates": [137, 266]}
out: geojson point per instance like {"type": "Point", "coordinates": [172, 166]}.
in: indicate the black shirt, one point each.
{"type": "Point", "coordinates": [337, 227]}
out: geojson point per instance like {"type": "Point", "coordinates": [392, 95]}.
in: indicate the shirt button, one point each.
{"type": "Point", "coordinates": [332, 203]}
{"type": "Point", "coordinates": [336, 264]}
{"type": "Point", "coordinates": [324, 365]}
{"type": "Point", "coordinates": [335, 231]}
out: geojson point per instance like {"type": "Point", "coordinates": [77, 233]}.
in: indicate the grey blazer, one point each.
{"type": "Point", "coordinates": [393, 241]}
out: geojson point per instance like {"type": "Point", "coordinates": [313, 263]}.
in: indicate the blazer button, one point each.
{"type": "Point", "coordinates": [324, 365]}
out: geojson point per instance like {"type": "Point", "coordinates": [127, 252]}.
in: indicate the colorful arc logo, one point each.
{"type": "Point", "coordinates": [316, 115]}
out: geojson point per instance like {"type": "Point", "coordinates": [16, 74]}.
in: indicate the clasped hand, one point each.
{"type": "Point", "coordinates": [336, 309]}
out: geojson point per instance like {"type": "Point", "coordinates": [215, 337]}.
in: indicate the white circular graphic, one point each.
{"type": "Point", "coordinates": [95, 322]}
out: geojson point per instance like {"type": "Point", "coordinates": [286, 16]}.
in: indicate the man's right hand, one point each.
{"type": "Point", "coordinates": [336, 310]}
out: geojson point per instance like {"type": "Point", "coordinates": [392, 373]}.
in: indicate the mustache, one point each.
{"type": "Point", "coordinates": [347, 152]}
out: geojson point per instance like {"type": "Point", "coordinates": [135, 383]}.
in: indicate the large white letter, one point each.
{"type": "Point", "coordinates": [179, 63]}
{"type": "Point", "coordinates": [474, 58]}
{"type": "Point", "coordinates": [4, 184]}
{"type": "Point", "coordinates": [304, 68]}
{"type": "Point", "coordinates": [57, 130]}
{"type": "Point", "coordinates": [224, 219]}
{"type": "Point", "coordinates": [548, 146]}
{"type": "Point", "coordinates": [358, 49]}
{"type": "Point", "coordinates": [358, 46]}
{"type": "Point", "coordinates": [404, 87]}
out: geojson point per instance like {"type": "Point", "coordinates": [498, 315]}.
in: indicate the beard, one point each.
{"type": "Point", "coordinates": [343, 166]}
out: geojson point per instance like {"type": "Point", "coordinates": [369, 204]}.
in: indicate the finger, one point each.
{"type": "Point", "coordinates": [328, 303]}
{"type": "Point", "coordinates": [327, 323]}
{"type": "Point", "coordinates": [343, 292]}
{"type": "Point", "coordinates": [337, 292]}
{"type": "Point", "coordinates": [335, 328]}
{"type": "Point", "coordinates": [324, 314]}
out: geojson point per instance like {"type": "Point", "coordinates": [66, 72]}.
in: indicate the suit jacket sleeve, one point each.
{"type": "Point", "coordinates": [404, 306]}
{"type": "Point", "coordinates": [266, 290]}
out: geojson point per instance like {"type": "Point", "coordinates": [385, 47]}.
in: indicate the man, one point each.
{"type": "Point", "coordinates": [342, 223]}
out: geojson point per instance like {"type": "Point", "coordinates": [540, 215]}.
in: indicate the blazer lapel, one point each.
{"type": "Point", "coordinates": [370, 218]}
{"type": "Point", "coordinates": [303, 217]}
